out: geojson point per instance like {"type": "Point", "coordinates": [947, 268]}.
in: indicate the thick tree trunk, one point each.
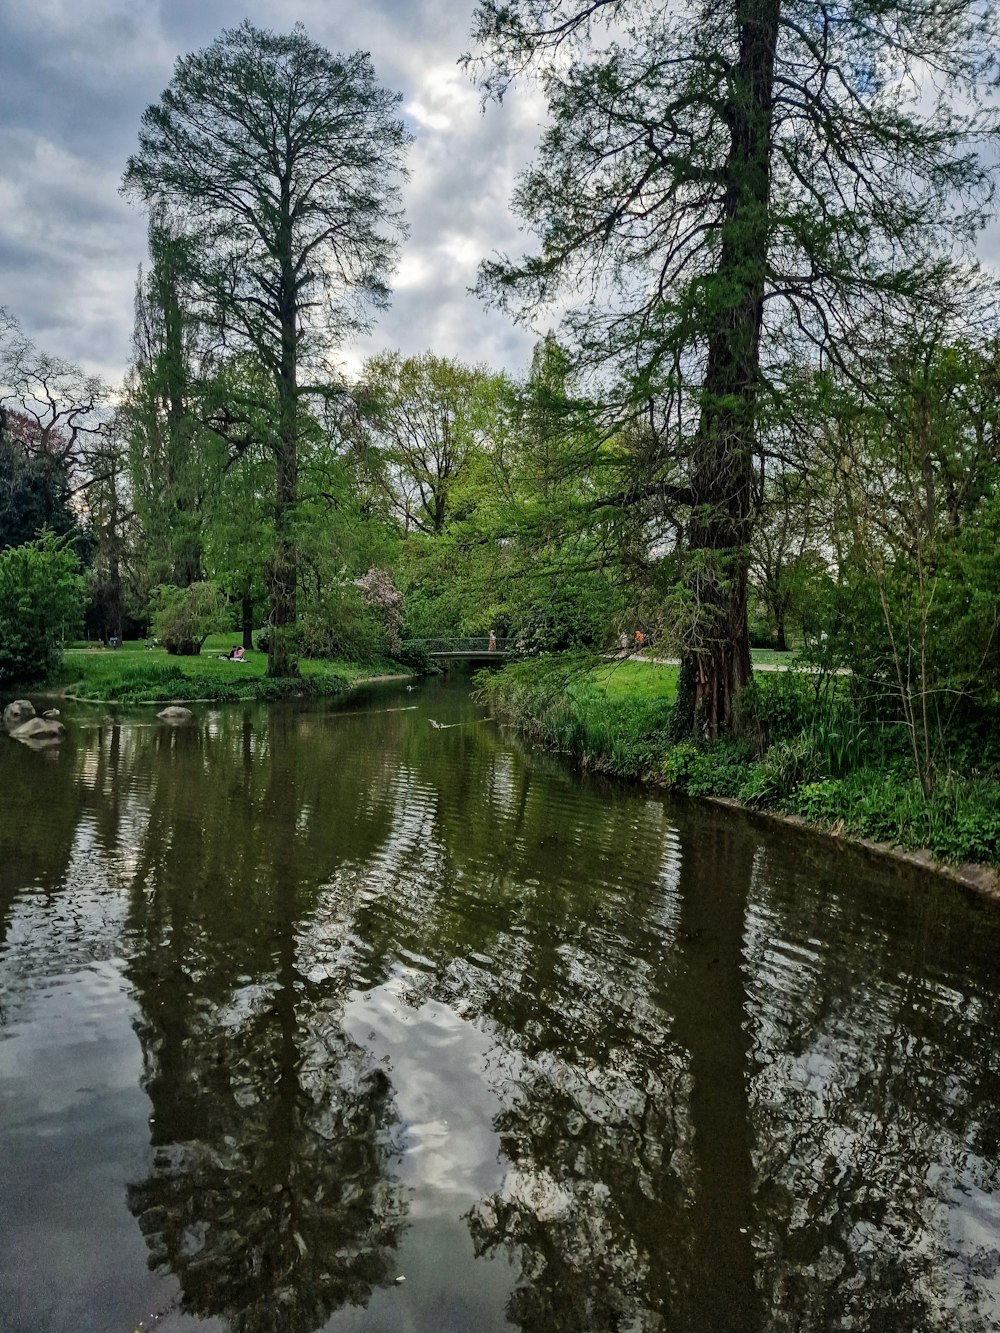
{"type": "Point", "coordinates": [246, 617]}
{"type": "Point", "coordinates": [282, 658]}
{"type": "Point", "coordinates": [717, 659]}
{"type": "Point", "coordinates": [782, 641]}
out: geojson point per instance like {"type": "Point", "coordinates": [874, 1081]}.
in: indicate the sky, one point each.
{"type": "Point", "coordinates": [75, 77]}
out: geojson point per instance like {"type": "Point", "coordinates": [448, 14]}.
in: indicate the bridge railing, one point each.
{"type": "Point", "coordinates": [472, 646]}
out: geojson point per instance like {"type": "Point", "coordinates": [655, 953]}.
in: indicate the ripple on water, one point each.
{"type": "Point", "coordinates": [304, 1001]}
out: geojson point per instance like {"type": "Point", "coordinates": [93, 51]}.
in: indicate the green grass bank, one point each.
{"type": "Point", "coordinates": [804, 747]}
{"type": "Point", "coordinates": [135, 674]}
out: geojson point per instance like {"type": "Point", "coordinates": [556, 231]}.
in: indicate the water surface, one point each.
{"type": "Point", "coordinates": [298, 1001]}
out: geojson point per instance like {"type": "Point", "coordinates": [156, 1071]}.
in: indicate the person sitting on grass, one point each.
{"type": "Point", "coordinates": [235, 654]}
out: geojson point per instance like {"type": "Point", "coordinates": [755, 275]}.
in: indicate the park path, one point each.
{"type": "Point", "coordinates": [757, 666]}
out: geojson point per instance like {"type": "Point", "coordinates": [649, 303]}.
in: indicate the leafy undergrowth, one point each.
{"type": "Point", "coordinates": [800, 753]}
{"type": "Point", "coordinates": [135, 674]}
{"type": "Point", "coordinates": [610, 716]}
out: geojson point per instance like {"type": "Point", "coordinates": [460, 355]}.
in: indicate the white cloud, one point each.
{"type": "Point", "coordinates": [433, 120]}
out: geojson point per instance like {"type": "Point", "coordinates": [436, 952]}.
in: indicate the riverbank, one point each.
{"type": "Point", "coordinates": [799, 756]}
{"type": "Point", "coordinates": [135, 674]}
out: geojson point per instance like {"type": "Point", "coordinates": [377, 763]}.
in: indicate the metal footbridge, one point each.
{"type": "Point", "coordinates": [463, 650]}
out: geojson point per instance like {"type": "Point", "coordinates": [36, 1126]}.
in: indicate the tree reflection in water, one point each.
{"type": "Point", "coordinates": [271, 1196]}
{"type": "Point", "coordinates": [663, 1178]}
{"type": "Point", "coordinates": [735, 1091]}
{"type": "Point", "coordinates": [630, 1200]}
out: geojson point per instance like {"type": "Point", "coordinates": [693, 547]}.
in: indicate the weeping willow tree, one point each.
{"type": "Point", "coordinates": [716, 179]}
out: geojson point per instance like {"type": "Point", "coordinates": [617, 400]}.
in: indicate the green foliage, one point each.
{"type": "Point", "coordinates": [41, 605]}
{"type": "Point", "coordinates": [806, 748]}
{"type": "Point", "coordinates": [340, 624]}
{"type": "Point", "coordinates": [183, 618]}
{"type": "Point", "coordinates": [781, 770]}
{"type": "Point", "coordinates": [518, 548]}
{"type": "Point", "coordinates": [288, 240]}
{"type": "Point", "coordinates": [565, 704]}
{"type": "Point", "coordinates": [131, 683]}
{"type": "Point", "coordinates": [416, 657]}
{"type": "Point", "coordinates": [175, 463]}
{"type": "Point", "coordinates": [959, 822]}
{"type": "Point", "coordinates": [34, 489]}
{"type": "Point", "coordinates": [575, 612]}
{"type": "Point", "coordinates": [430, 419]}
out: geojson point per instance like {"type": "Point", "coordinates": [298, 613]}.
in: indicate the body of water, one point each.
{"type": "Point", "coordinates": [297, 1002]}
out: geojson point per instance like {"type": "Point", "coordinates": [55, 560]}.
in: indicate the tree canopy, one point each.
{"type": "Point", "coordinates": [280, 164]}
{"type": "Point", "coordinates": [715, 182]}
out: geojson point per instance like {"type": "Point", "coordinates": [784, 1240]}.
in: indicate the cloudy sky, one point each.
{"type": "Point", "coordinates": [75, 77]}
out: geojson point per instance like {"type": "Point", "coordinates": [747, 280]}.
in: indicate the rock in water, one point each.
{"type": "Point", "coordinates": [175, 713]}
{"type": "Point", "coordinates": [17, 713]}
{"type": "Point", "coordinates": [39, 729]}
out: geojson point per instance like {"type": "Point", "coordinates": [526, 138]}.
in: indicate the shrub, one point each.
{"type": "Point", "coordinates": [41, 603]}
{"type": "Point", "coordinates": [417, 658]}
{"type": "Point", "coordinates": [340, 626]}
{"type": "Point", "coordinates": [183, 618]}
{"type": "Point", "coordinates": [780, 773]}
{"type": "Point", "coordinates": [679, 764]}
{"type": "Point", "coordinates": [381, 596]}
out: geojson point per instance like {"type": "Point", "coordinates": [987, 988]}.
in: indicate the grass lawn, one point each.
{"type": "Point", "coordinates": [134, 673]}
{"type": "Point", "coordinates": [770, 657]}
{"type": "Point", "coordinates": [640, 680]}
{"type": "Point", "coordinates": [636, 680]}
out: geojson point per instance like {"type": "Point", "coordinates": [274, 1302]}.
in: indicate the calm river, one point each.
{"type": "Point", "coordinates": [299, 1002]}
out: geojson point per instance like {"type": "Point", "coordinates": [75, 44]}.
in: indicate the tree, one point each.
{"type": "Point", "coordinates": [280, 165]}
{"type": "Point", "coordinates": [499, 502]}
{"type": "Point", "coordinates": [34, 489]}
{"type": "Point", "coordinates": [430, 414]}
{"type": "Point", "coordinates": [716, 176]}
{"type": "Point", "coordinates": [784, 554]}
{"type": "Point", "coordinates": [183, 618]}
{"type": "Point", "coordinates": [56, 408]}
{"type": "Point", "coordinates": [41, 597]}
{"type": "Point", "coordinates": [172, 465]}
{"type": "Point", "coordinates": [917, 476]}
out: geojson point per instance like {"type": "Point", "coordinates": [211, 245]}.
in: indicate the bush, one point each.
{"type": "Point", "coordinates": [183, 618]}
{"type": "Point", "coordinates": [41, 604]}
{"type": "Point", "coordinates": [385, 601]}
{"type": "Point", "coordinates": [417, 658]}
{"type": "Point", "coordinates": [785, 767]}
{"type": "Point", "coordinates": [341, 626]}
